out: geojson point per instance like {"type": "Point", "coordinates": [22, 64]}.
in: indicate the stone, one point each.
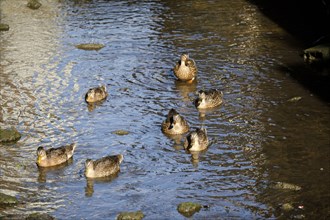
{"type": "Point", "coordinates": [34, 4]}
{"type": "Point", "coordinates": [286, 186]}
{"type": "Point", "coordinates": [9, 135]}
{"type": "Point", "coordinates": [7, 200]}
{"type": "Point", "coordinates": [4, 27]}
{"type": "Point", "coordinates": [188, 209]}
{"type": "Point", "coordinates": [39, 216]}
{"type": "Point", "coordinates": [317, 54]}
{"type": "Point", "coordinates": [89, 46]}
{"type": "Point", "coordinates": [121, 132]}
{"type": "Point", "coordinates": [130, 215]}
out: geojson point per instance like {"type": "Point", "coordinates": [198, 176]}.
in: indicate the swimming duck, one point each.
{"type": "Point", "coordinates": [54, 156]}
{"type": "Point", "coordinates": [103, 167]}
{"type": "Point", "coordinates": [208, 99]}
{"type": "Point", "coordinates": [174, 123]}
{"type": "Point", "coordinates": [96, 94]}
{"type": "Point", "coordinates": [196, 140]}
{"type": "Point", "coordinates": [185, 69]}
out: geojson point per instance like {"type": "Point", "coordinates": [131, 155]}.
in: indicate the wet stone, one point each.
{"type": "Point", "coordinates": [4, 27]}
{"type": "Point", "coordinates": [39, 216]}
{"type": "Point", "coordinates": [89, 46]}
{"type": "Point", "coordinates": [6, 200]}
{"type": "Point", "coordinates": [121, 132]}
{"type": "Point", "coordinates": [130, 215]}
{"type": "Point", "coordinates": [33, 4]}
{"type": "Point", "coordinates": [9, 135]}
{"type": "Point", "coordinates": [188, 209]}
{"type": "Point", "coordinates": [287, 207]}
{"type": "Point", "coordinates": [286, 186]}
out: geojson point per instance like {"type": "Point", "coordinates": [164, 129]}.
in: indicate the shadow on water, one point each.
{"type": "Point", "coordinates": [308, 22]}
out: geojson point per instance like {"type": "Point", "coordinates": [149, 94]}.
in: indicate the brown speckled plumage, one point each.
{"type": "Point", "coordinates": [103, 167]}
{"type": "Point", "coordinates": [174, 123]}
{"type": "Point", "coordinates": [209, 99]}
{"type": "Point", "coordinates": [196, 140]}
{"type": "Point", "coordinates": [96, 94]}
{"type": "Point", "coordinates": [185, 69]}
{"type": "Point", "coordinates": [54, 156]}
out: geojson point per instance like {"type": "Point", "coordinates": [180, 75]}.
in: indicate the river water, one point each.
{"type": "Point", "coordinates": [260, 137]}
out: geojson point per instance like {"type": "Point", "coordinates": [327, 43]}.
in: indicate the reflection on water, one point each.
{"type": "Point", "coordinates": [89, 189]}
{"type": "Point", "coordinates": [54, 171]}
{"type": "Point", "coordinates": [258, 138]}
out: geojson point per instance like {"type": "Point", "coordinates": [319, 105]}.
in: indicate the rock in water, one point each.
{"type": "Point", "coordinates": [89, 46]}
{"type": "Point", "coordinates": [34, 4]}
{"type": "Point", "coordinates": [130, 216]}
{"type": "Point", "coordinates": [7, 200]}
{"type": "Point", "coordinates": [4, 27]}
{"type": "Point", "coordinates": [9, 135]}
{"type": "Point", "coordinates": [188, 209]}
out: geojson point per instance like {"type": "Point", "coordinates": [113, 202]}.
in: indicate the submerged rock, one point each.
{"type": "Point", "coordinates": [89, 46]}
{"type": "Point", "coordinates": [317, 54]}
{"type": "Point", "coordinates": [287, 207]}
{"type": "Point", "coordinates": [7, 200]}
{"type": "Point", "coordinates": [39, 216]}
{"type": "Point", "coordinates": [9, 135]}
{"type": "Point", "coordinates": [130, 215]}
{"type": "Point", "coordinates": [121, 132]}
{"type": "Point", "coordinates": [295, 99]}
{"type": "Point", "coordinates": [188, 209]}
{"type": "Point", "coordinates": [34, 4]}
{"type": "Point", "coordinates": [4, 27]}
{"type": "Point", "coordinates": [287, 186]}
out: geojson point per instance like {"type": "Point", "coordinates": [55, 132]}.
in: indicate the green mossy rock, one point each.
{"type": "Point", "coordinates": [286, 186]}
{"type": "Point", "coordinates": [318, 54]}
{"type": "Point", "coordinates": [4, 27]}
{"type": "Point", "coordinates": [89, 46]}
{"type": "Point", "coordinates": [121, 132]}
{"type": "Point", "coordinates": [130, 216]}
{"type": "Point", "coordinates": [39, 216]}
{"type": "Point", "coordinates": [188, 209]}
{"type": "Point", "coordinates": [6, 200]}
{"type": "Point", "coordinates": [33, 4]}
{"type": "Point", "coordinates": [9, 135]}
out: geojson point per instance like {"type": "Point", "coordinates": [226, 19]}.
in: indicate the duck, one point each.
{"type": "Point", "coordinates": [54, 156]}
{"type": "Point", "coordinates": [103, 167]}
{"type": "Point", "coordinates": [96, 94]}
{"type": "Point", "coordinates": [185, 69]}
{"type": "Point", "coordinates": [174, 123]}
{"type": "Point", "coordinates": [209, 98]}
{"type": "Point", "coordinates": [196, 140]}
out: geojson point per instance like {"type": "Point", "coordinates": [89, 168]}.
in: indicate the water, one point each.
{"type": "Point", "coordinates": [258, 137]}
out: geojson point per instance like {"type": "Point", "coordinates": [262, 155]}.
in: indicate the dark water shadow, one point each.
{"type": "Point", "coordinates": [308, 22]}
{"type": "Point", "coordinates": [89, 189]}
{"type": "Point", "coordinates": [315, 78]}
{"type": "Point", "coordinates": [56, 170]}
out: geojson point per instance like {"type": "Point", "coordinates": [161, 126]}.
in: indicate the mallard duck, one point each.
{"type": "Point", "coordinates": [54, 156]}
{"type": "Point", "coordinates": [103, 167]}
{"type": "Point", "coordinates": [96, 94]}
{"type": "Point", "coordinates": [209, 99]}
{"type": "Point", "coordinates": [196, 140]}
{"type": "Point", "coordinates": [185, 69]}
{"type": "Point", "coordinates": [174, 123]}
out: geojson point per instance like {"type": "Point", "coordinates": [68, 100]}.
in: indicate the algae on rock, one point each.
{"type": "Point", "coordinates": [9, 135]}
{"type": "Point", "coordinates": [130, 215]}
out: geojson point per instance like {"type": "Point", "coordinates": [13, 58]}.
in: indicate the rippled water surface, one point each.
{"type": "Point", "coordinates": [258, 137]}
